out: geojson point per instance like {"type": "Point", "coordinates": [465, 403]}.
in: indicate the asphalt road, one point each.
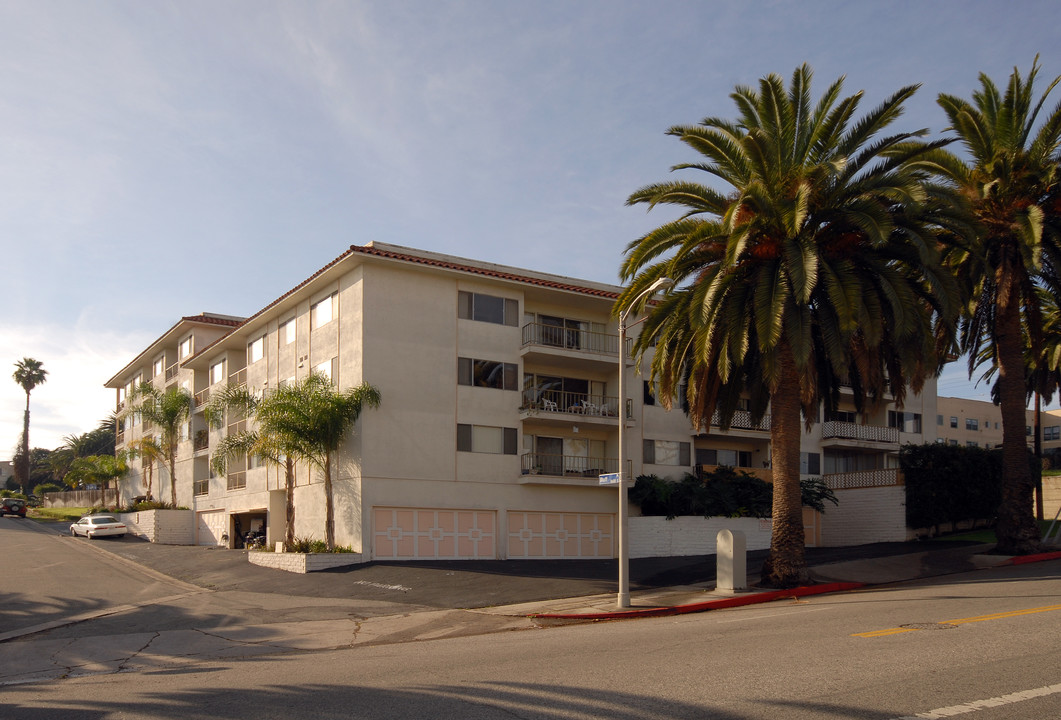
{"type": "Point", "coordinates": [982, 645]}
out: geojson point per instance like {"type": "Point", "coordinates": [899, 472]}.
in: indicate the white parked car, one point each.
{"type": "Point", "coordinates": [94, 526]}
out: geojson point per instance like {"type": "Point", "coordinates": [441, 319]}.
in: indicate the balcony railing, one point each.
{"type": "Point", "coordinates": [201, 487]}
{"type": "Point", "coordinates": [571, 339]}
{"type": "Point", "coordinates": [238, 378]}
{"type": "Point", "coordinates": [855, 431]}
{"type": "Point", "coordinates": [237, 480]}
{"type": "Point", "coordinates": [202, 397]}
{"type": "Point", "coordinates": [864, 479]}
{"type": "Point", "coordinates": [567, 465]}
{"type": "Point", "coordinates": [201, 441]}
{"type": "Point", "coordinates": [560, 401]}
{"type": "Point", "coordinates": [236, 428]}
{"type": "Point", "coordinates": [742, 420]}
{"type": "Point", "coordinates": [172, 370]}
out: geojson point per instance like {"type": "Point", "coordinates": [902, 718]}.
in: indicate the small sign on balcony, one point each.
{"type": "Point", "coordinates": [609, 478]}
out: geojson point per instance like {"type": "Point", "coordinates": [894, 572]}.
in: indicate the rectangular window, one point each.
{"type": "Point", "coordinates": [322, 312]}
{"type": "Point", "coordinates": [185, 348]}
{"type": "Point", "coordinates": [486, 439]}
{"type": "Point", "coordinates": [732, 458]}
{"type": "Point", "coordinates": [1052, 433]}
{"type": "Point", "coordinates": [201, 487]}
{"type": "Point", "coordinates": [904, 421]}
{"type": "Point", "coordinates": [667, 452]}
{"type": "Point", "coordinates": [810, 463]}
{"type": "Point", "coordinates": [157, 367]}
{"type": "Point", "coordinates": [953, 421]}
{"type": "Point", "coordinates": [939, 420]}
{"type": "Point", "coordinates": [487, 308]}
{"type": "Point", "coordinates": [217, 372]}
{"type": "Point", "coordinates": [972, 424]}
{"type": "Point", "coordinates": [256, 350]}
{"type": "Point", "coordinates": [847, 416]}
{"type": "Point", "coordinates": [329, 369]}
{"type": "Point", "coordinates": [487, 373]}
{"type": "Point", "coordinates": [972, 443]}
{"type": "Point", "coordinates": [287, 332]}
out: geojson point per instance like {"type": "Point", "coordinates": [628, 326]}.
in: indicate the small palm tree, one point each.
{"type": "Point", "coordinates": [1011, 187]}
{"type": "Point", "coordinates": [816, 271]}
{"type": "Point", "coordinates": [29, 373]}
{"type": "Point", "coordinates": [99, 469]}
{"type": "Point", "coordinates": [152, 453]}
{"type": "Point", "coordinates": [169, 410]}
{"type": "Point", "coordinates": [313, 418]}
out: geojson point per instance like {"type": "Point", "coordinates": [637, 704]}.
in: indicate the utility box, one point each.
{"type": "Point", "coordinates": [731, 574]}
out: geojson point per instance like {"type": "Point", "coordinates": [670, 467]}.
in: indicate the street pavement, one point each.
{"type": "Point", "coordinates": [222, 606]}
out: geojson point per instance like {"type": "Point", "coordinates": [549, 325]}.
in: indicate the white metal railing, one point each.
{"type": "Point", "coordinates": [172, 370]}
{"type": "Point", "coordinates": [238, 378]}
{"type": "Point", "coordinates": [571, 339]}
{"type": "Point", "coordinates": [567, 465]}
{"type": "Point", "coordinates": [864, 479]}
{"type": "Point", "coordinates": [561, 401]}
{"type": "Point", "coordinates": [856, 431]}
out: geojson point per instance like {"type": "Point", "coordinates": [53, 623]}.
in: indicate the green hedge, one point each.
{"type": "Point", "coordinates": [950, 483]}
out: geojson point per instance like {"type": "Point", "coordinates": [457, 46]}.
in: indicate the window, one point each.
{"type": "Point", "coordinates": [487, 373]}
{"type": "Point", "coordinates": [667, 452]}
{"type": "Point", "coordinates": [217, 372]}
{"type": "Point", "coordinates": [157, 367]}
{"type": "Point", "coordinates": [848, 416]}
{"type": "Point", "coordinates": [953, 442]}
{"type": "Point", "coordinates": [329, 369]}
{"type": "Point", "coordinates": [649, 400]}
{"type": "Point", "coordinates": [810, 463]}
{"type": "Point", "coordinates": [131, 388]}
{"type": "Point", "coordinates": [487, 308]}
{"type": "Point", "coordinates": [904, 421]}
{"type": "Point", "coordinates": [201, 487]}
{"type": "Point", "coordinates": [972, 424]}
{"type": "Point", "coordinates": [732, 458]}
{"type": "Point", "coordinates": [256, 350]}
{"type": "Point", "coordinates": [953, 421]}
{"type": "Point", "coordinates": [1052, 433]}
{"type": "Point", "coordinates": [287, 332]}
{"type": "Point", "coordinates": [1028, 430]}
{"type": "Point", "coordinates": [185, 348]}
{"type": "Point", "coordinates": [485, 439]}
{"type": "Point", "coordinates": [322, 312]}
{"type": "Point", "coordinates": [972, 443]}
{"type": "Point", "coordinates": [939, 420]}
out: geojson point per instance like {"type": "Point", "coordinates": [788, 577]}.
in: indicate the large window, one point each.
{"type": "Point", "coordinates": [256, 350]}
{"type": "Point", "coordinates": [487, 308]}
{"type": "Point", "coordinates": [486, 439]}
{"type": "Point", "coordinates": [287, 332]}
{"type": "Point", "coordinates": [322, 312]}
{"type": "Point", "coordinates": [732, 458]}
{"type": "Point", "coordinates": [904, 421]}
{"type": "Point", "coordinates": [848, 416]}
{"type": "Point", "coordinates": [185, 348]}
{"type": "Point", "coordinates": [217, 372]}
{"type": "Point", "coordinates": [329, 369]}
{"type": "Point", "coordinates": [1052, 433]}
{"type": "Point", "coordinates": [972, 424]}
{"type": "Point", "coordinates": [487, 373]}
{"type": "Point", "coordinates": [953, 421]}
{"type": "Point", "coordinates": [667, 452]}
{"type": "Point", "coordinates": [157, 367]}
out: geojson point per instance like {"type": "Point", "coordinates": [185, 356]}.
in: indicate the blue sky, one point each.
{"type": "Point", "coordinates": [161, 159]}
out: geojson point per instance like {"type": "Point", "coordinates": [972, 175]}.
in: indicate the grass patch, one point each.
{"type": "Point", "coordinates": [57, 514]}
{"type": "Point", "coordinates": [987, 535]}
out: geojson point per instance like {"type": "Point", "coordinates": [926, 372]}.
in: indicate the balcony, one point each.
{"type": "Point", "coordinates": [237, 480]}
{"type": "Point", "coordinates": [238, 378]}
{"type": "Point", "coordinates": [864, 479]}
{"type": "Point", "coordinates": [562, 408]}
{"type": "Point", "coordinates": [201, 441]}
{"type": "Point", "coordinates": [569, 348]}
{"type": "Point", "coordinates": [742, 425]}
{"type": "Point", "coordinates": [172, 371]}
{"type": "Point", "coordinates": [539, 468]}
{"type": "Point", "coordinates": [202, 398]}
{"type": "Point", "coordinates": [847, 434]}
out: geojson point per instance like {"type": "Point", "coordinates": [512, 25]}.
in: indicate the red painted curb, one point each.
{"type": "Point", "coordinates": [736, 601]}
{"type": "Point", "coordinates": [1038, 557]}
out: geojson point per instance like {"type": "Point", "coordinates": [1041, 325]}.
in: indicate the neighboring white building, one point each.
{"type": "Point", "coordinates": [499, 411]}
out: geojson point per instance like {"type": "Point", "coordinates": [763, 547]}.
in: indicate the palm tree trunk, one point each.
{"type": "Point", "coordinates": [25, 447]}
{"type": "Point", "coordinates": [289, 476]}
{"type": "Point", "coordinates": [329, 504]}
{"type": "Point", "coordinates": [173, 474]}
{"type": "Point", "coordinates": [150, 478]}
{"type": "Point", "coordinates": [1017, 531]}
{"type": "Point", "coordinates": [785, 564]}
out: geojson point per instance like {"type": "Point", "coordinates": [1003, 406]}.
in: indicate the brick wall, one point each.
{"type": "Point", "coordinates": [660, 537]}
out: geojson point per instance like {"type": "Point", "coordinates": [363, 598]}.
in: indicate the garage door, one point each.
{"type": "Point", "coordinates": [212, 525]}
{"type": "Point", "coordinates": [560, 535]}
{"type": "Point", "coordinates": [433, 533]}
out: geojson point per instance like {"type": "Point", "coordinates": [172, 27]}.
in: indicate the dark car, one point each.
{"type": "Point", "coordinates": [13, 506]}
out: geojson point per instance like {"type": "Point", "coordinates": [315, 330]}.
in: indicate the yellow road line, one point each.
{"type": "Point", "coordinates": [962, 621]}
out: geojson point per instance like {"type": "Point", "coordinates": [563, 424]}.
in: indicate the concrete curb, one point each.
{"type": "Point", "coordinates": [1038, 557]}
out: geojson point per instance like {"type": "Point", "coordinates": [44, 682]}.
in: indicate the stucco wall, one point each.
{"type": "Point", "coordinates": [660, 537]}
{"type": "Point", "coordinates": [865, 515]}
{"type": "Point", "coordinates": [167, 527]}
{"type": "Point", "coordinates": [303, 562]}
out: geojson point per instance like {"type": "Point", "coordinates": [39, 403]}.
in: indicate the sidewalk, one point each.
{"type": "Point", "coordinates": [234, 609]}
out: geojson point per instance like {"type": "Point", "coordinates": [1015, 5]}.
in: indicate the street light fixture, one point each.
{"type": "Point", "coordinates": [624, 541]}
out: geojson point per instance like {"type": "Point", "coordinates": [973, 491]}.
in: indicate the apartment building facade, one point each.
{"type": "Point", "coordinates": [977, 423]}
{"type": "Point", "coordinates": [499, 411]}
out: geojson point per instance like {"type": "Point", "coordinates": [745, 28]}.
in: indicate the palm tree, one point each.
{"type": "Point", "coordinates": [817, 270]}
{"type": "Point", "coordinates": [148, 448]}
{"type": "Point", "coordinates": [1011, 185]}
{"type": "Point", "coordinates": [312, 417]}
{"type": "Point", "coordinates": [169, 410]}
{"type": "Point", "coordinates": [29, 373]}
{"type": "Point", "coordinates": [261, 442]}
{"type": "Point", "coordinates": [99, 469]}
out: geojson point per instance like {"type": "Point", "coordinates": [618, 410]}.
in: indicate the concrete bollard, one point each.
{"type": "Point", "coordinates": [731, 551]}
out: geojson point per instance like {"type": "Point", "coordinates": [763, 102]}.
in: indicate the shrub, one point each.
{"type": "Point", "coordinates": [309, 545]}
{"type": "Point", "coordinates": [47, 488]}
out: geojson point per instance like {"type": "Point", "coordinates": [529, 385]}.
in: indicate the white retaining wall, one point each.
{"type": "Point", "coordinates": [303, 562]}
{"type": "Point", "coordinates": [167, 527]}
{"type": "Point", "coordinates": [659, 537]}
{"type": "Point", "coordinates": [865, 515]}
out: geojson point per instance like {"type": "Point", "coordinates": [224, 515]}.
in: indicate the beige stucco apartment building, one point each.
{"type": "Point", "coordinates": [976, 423]}
{"type": "Point", "coordinates": [500, 409]}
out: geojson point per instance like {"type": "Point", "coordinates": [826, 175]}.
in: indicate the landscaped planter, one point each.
{"type": "Point", "coordinates": [303, 562]}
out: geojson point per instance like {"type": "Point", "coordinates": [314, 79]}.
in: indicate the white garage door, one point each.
{"type": "Point", "coordinates": [560, 535]}
{"type": "Point", "coordinates": [433, 533]}
{"type": "Point", "coordinates": [212, 524]}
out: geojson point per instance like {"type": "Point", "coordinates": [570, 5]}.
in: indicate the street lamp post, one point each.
{"type": "Point", "coordinates": [623, 600]}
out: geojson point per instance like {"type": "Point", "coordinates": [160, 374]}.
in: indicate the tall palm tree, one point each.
{"type": "Point", "coordinates": [152, 453]}
{"type": "Point", "coordinates": [314, 418]}
{"type": "Point", "coordinates": [29, 373]}
{"type": "Point", "coordinates": [169, 410]}
{"type": "Point", "coordinates": [816, 270]}
{"type": "Point", "coordinates": [262, 442]}
{"type": "Point", "coordinates": [1011, 184]}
